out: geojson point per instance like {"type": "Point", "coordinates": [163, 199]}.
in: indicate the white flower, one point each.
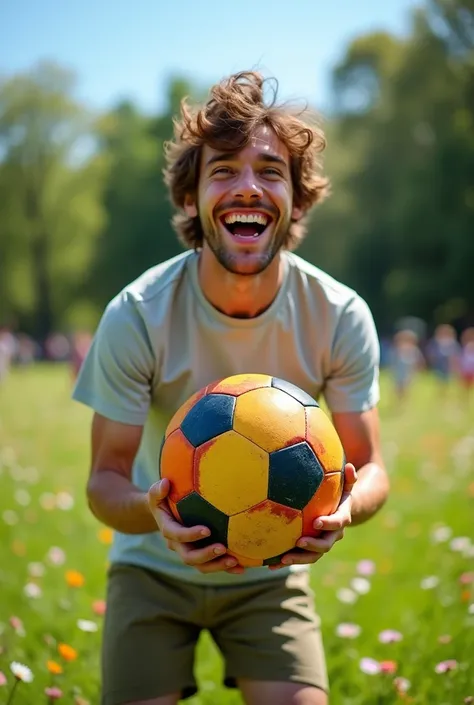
{"type": "Point", "coordinates": [470, 609]}
{"type": "Point", "coordinates": [32, 590]}
{"type": "Point", "coordinates": [369, 666]}
{"type": "Point", "coordinates": [22, 497]}
{"type": "Point", "coordinates": [64, 501]}
{"type": "Point", "coordinates": [347, 596]}
{"type": "Point", "coordinates": [402, 684]}
{"type": "Point", "coordinates": [86, 625]}
{"type": "Point", "coordinates": [440, 534]}
{"type": "Point", "coordinates": [56, 555]}
{"type": "Point", "coordinates": [10, 517]}
{"type": "Point", "coordinates": [346, 630]}
{"type": "Point", "coordinates": [430, 582]}
{"type": "Point", "coordinates": [22, 672]}
{"type": "Point", "coordinates": [36, 570]}
{"type": "Point", "coordinates": [460, 544]}
{"type": "Point", "coordinates": [390, 636]}
{"type": "Point", "coordinates": [360, 585]}
{"type": "Point", "coordinates": [365, 567]}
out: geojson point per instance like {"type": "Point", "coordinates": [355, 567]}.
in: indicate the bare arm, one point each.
{"type": "Point", "coordinates": [112, 496]}
{"type": "Point", "coordinates": [360, 436]}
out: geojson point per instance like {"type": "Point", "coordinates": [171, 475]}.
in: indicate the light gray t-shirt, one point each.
{"type": "Point", "coordinates": [160, 340]}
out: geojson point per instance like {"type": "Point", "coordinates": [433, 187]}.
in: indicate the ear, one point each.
{"type": "Point", "coordinates": [190, 207]}
{"type": "Point", "coordinates": [296, 214]}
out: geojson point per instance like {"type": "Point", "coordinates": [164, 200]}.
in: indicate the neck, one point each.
{"type": "Point", "coordinates": [236, 295]}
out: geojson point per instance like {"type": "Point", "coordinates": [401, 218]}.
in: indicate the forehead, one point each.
{"type": "Point", "coordinates": [263, 141]}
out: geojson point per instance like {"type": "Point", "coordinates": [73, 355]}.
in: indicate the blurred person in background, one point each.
{"type": "Point", "coordinates": [466, 361]}
{"type": "Point", "coordinates": [442, 353]}
{"type": "Point", "coordinates": [7, 352]}
{"type": "Point", "coordinates": [79, 347]}
{"type": "Point", "coordinates": [242, 174]}
{"type": "Point", "coordinates": [406, 359]}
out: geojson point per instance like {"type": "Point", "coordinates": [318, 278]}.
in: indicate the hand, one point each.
{"type": "Point", "coordinates": [331, 528]}
{"type": "Point", "coordinates": [179, 538]}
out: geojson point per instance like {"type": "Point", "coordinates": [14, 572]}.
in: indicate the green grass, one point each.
{"type": "Point", "coordinates": [429, 450]}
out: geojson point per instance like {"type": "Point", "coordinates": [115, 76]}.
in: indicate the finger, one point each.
{"type": "Point", "coordinates": [350, 477]}
{"type": "Point", "coordinates": [158, 492]}
{"type": "Point", "coordinates": [335, 521]}
{"type": "Point", "coordinates": [198, 556]}
{"type": "Point", "coordinates": [321, 544]}
{"type": "Point", "coordinates": [297, 558]}
{"type": "Point", "coordinates": [172, 530]}
{"type": "Point", "coordinates": [223, 564]}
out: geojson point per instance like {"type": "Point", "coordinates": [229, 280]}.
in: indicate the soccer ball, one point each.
{"type": "Point", "coordinates": [256, 460]}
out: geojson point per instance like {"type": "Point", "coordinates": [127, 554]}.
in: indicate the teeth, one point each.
{"type": "Point", "coordinates": [246, 218]}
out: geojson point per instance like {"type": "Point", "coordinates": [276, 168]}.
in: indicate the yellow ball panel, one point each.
{"type": "Point", "coordinates": [264, 531]}
{"type": "Point", "coordinates": [323, 439]}
{"type": "Point", "coordinates": [178, 418]}
{"type": "Point", "coordinates": [238, 384]}
{"type": "Point", "coordinates": [231, 473]}
{"type": "Point", "coordinates": [325, 502]}
{"type": "Point", "coordinates": [270, 418]}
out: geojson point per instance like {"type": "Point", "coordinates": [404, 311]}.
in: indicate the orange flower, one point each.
{"type": "Point", "coordinates": [54, 667]}
{"type": "Point", "coordinates": [106, 536]}
{"type": "Point", "coordinates": [67, 652]}
{"type": "Point", "coordinates": [74, 578]}
{"type": "Point", "coordinates": [466, 596]}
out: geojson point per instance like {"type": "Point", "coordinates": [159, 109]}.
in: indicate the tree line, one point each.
{"type": "Point", "coordinates": [84, 209]}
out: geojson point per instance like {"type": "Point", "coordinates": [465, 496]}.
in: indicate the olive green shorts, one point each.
{"type": "Point", "coordinates": [266, 631]}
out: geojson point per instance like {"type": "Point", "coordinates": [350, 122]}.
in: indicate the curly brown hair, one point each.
{"type": "Point", "coordinates": [235, 108]}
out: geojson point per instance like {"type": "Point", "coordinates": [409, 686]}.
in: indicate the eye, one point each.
{"type": "Point", "coordinates": [222, 171]}
{"type": "Point", "coordinates": [271, 171]}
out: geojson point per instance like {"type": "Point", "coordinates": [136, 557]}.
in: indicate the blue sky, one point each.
{"type": "Point", "coordinates": [130, 49]}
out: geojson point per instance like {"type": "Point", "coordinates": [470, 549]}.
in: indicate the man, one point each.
{"type": "Point", "coordinates": [242, 175]}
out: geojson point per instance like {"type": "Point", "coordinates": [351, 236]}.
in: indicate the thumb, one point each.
{"type": "Point", "coordinates": [159, 491]}
{"type": "Point", "coordinates": [350, 477]}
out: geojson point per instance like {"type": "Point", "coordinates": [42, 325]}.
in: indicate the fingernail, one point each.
{"type": "Point", "coordinates": [287, 561]}
{"type": "Point", "coordinates": [302, 544]}
{"type": "Point", "coordinates": [205, 532]}
{"type": "Point", "coordinates": [230, 563]}
{"type": "Point", "coordinates": [318, 524]}
{"type": "Point", "coordinates": [218, 550]}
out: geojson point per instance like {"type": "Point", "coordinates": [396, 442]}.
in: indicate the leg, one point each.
{"type": "Point", "coordinates": [150, 633]}
{"type": "Point", "coordinates": [257, 692]}
{"type": "Point", "coordinates": [270, 638]}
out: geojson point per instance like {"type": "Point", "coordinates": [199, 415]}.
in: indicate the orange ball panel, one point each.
{"type": "Point", "coordinates": [264, 531]}
{"type": "Point", "coordinates": [177, 419]}
{"type": "Point", "coordinates": [270, 418]}
{"type": "Point", "coordinates": [246, 561]}
{"type": "Point", "coordinates": [323, 439]}
{"type": "Point", "coordinates": [177, 465]}
{"type": "Point", "coordinates": [239, 384]}
{"type": "Point", "coordinates": [325, 501]}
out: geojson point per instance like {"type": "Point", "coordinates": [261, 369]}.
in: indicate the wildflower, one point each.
{"type": "Point", "coordinates": [365, 567]}
{"type": "Point", "coordinates": [440, 534]}
{"type": "Point", "coordinates": [53, 693]}
{"type": "Point", "coordinates": [99, 607]}
{"type": "Point", "coordinates": [466, 578]}
{"type": "Point", "coordinates": [369, 666]}
{"type": "Point", "coordinates": [54, 667]}
{"type": "Point", "coordinates": [22, 497]}
{"type": "Point", "coordinates": [346, 630]}
{"type": "Point", "coordinates": [446, 666]}
{"type": "Point", "coordinates": [347, 596]}
{"type": "Point", "coordinates": [67, 652]}
{"type": "Point", "coordinates": [85, 625]}
{"type": "Point", "coordinates": [470, 609]}
{"type": "Point", "coordinates": [3, 678]}
{"type": "Point", "coordinates": [36, 570]}
{"type": "Point", "coordinates": [74, 579]}
{"type": "Point", "coordinates": [17, 625]}
{"type": "Point", "coordinates": [401, 684]}
{"type": "Point", "coordinates": [56, 555]}
{"type": "Point", "coordinates": [32, 590]}
{"type": "Point", "coordinates": [460, 544]}
{"type": "Point", "coordinates": [388, 666]}
{"type": "Point", "coordinates": [106, 535]}
{"type": "Point", "coordinates": [430, 582]}
{"type": "Point", "coordinates": [21, 672]}
{"type": "Point", "coordinates": [64, 501]}
{"type": "Point", "coordinates": [360, 585]}
{"type": "Point", "coordinates": [390, 636]}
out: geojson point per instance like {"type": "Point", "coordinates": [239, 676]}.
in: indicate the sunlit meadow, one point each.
{"type": "Point", "coordinates": [396, 596]}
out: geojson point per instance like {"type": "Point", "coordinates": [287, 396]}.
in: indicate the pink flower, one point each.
{"type": "Point", "coordinates": [390, 636]}
{"type": "Point", "coordinates": [466, 578]}
{"type": "Point", "coordinates": [446, 666]}
{"type": "Point", "coordinates": [365, 567]}
{"type": "Point", "coordinates": [369, 666]}
{"type": "Point", "coordinates": [346, 630]}
{"type": "Point", "coordinates": [99, 607]}
{"type": "Point", "coordinates": [388, 666]}
{"type": "Point", "coordinates": [3, 678]}
{"type": "Point", "coordinates": [53, 693]}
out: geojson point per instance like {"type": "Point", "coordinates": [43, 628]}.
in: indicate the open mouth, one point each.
{"type": "Point", "coordinates": [246, 225]}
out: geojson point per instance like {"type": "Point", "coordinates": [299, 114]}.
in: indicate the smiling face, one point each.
{"type": "Point", "coordinates": [245, 203]}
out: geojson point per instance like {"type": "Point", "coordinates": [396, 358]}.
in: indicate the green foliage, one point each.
{"type": "Point", "coordinates": [422, 587]}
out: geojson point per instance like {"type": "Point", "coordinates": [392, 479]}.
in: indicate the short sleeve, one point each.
{"type": "Point", "coordinates": [116, 376]}
{"type": "Point", "coordinates": [353, 382]}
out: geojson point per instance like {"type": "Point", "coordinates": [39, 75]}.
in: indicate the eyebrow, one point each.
{"type": "Point", "coordinates": [232, 156]}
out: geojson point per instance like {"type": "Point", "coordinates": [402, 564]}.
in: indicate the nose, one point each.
{"type": "Point", "coordinates": [247, 186]}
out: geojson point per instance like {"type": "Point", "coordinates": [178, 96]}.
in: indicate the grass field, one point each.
{"type": "Point", "coordinates": [396, 596]}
